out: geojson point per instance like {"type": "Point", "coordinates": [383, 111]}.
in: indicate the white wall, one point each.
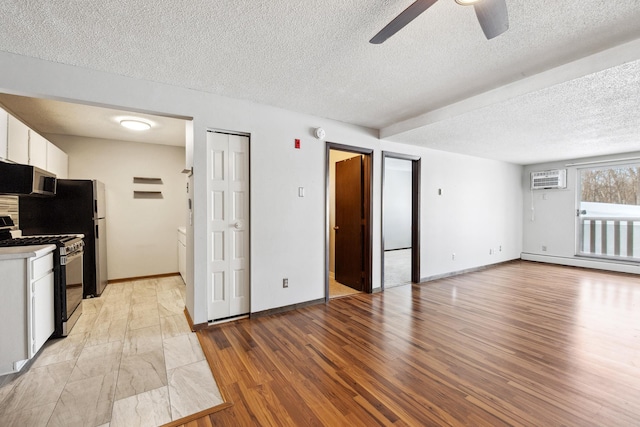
{"type": "Point", "coordinates": [549, 219]}
{"type": "Point", "coordinates": [397, 203]}
{"type": "Point", "coordinates": [478, 212]}
{"type": "Point", "coordinates": [141, 233]}
{"type": "Point", "coordinates": [480, 208]}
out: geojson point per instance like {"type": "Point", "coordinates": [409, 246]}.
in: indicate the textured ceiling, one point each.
{"type": "Point", "coordinates": [313, 56]}
{"type": "Point", "coordinates": [598, 114]}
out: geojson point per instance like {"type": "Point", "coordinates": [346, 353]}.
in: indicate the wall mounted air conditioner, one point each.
{"type": "Point", "coordinates": [544, 180]}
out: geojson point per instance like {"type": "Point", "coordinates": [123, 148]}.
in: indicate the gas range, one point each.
{"type": "Point", "coordinates": [70, 241]}
{"type": "Point", "coordinates": [67, 243]}
{"type": "Point", "coordinates": [67, 262]}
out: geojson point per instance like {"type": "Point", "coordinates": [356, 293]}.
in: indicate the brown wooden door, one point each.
{"type": "Point", "coordinates": [349, 264]}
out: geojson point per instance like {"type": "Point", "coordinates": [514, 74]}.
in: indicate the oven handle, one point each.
{"type": "Point", "coordinates": [66, 259]}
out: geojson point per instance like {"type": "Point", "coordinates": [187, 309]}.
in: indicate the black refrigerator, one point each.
{"type": "Point", "coordinates": [77, 208]}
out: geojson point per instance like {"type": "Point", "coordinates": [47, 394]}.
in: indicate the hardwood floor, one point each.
{"type": "Point", "coordinates": [518, 344]}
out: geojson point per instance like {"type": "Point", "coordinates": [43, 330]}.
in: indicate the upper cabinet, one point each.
{"type": "Point", "coordinates": [4, 116]}
{"type": "Point", "coordinates": [38, 150]}
{"type": "Point", "coordinates": [20, 144]}
{"type": "Point", "coordinates": [57, 161]}
{"type": "Point", "coordinates": [17, 141]}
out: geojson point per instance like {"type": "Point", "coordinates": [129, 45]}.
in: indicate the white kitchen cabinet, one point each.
{"type": "Point", "coordinates": [4, 116]}
{"type": "Point", "coordinates": [27, 304]}
{"type": "Point", "coordinates": [17, 141]}
{"type": "Point", "coordinates": [42, 305]}
{"type": "Point", "coordinates": [57, 161]}
{"type": "Point", "coordinates": [37, 150]}
{"type": "Point", "coordinates": [182, 253]}
{"type": "Point", "coordinates": [20, 144]}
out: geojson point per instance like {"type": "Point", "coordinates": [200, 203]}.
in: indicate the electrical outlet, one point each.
{"type": "Point", "coordinates": [490, 251]}
{"type": "Point", "coordinates": [453, 256]}
{"type": "Point", "coordinates": [285, 283]}
{"type": "Point", "coordinates": [500, 248]}
{"type": "Point", "coordinates": [544, 249]}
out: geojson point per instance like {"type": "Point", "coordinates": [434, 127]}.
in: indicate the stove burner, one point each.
{"type": "Point", "coordinates": [68, 243]}
{"type": "Point", "coordinates": [28, 241]}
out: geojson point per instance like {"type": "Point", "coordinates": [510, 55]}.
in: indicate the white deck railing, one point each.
{"type": "Point", "coordinates": [610, 237]}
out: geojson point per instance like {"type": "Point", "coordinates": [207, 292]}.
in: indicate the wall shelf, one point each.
{"type": "Point", "coordinates": [146, 180]}
{"type": "Point", "coordinates": [147, 194]}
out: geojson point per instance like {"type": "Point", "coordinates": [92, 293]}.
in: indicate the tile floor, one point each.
{"type": "Point", "coordinates": [397, 272]}
{"type": "Point", "coordinates": [337, 289]}
{"type": "Point", "coordinates": [397, 268]}
{"type": "Point", "coordinates": [131, 360]}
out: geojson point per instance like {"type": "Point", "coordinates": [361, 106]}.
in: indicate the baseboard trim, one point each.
{"type": "Point", "coordinates": [153, 276]}
{"type": "Point", "coordinates": [465, 271]}
{"type": "Point", "coordinates": [596, 264]}
{"type": "Point", "coordinates": [189, 320]}
{"type": "Point", "coordinates": [286, 308]}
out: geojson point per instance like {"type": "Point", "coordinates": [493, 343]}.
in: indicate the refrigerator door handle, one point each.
{"type": "Point", "coordinates": [97, 233]}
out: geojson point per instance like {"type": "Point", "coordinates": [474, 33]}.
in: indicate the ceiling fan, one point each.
{"type": "Point", "coordinates": [492, 15]}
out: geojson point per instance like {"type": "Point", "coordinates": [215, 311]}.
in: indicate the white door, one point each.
{"type": "Point", "coordinates": [228, 201]}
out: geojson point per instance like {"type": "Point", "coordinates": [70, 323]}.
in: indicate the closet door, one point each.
{"type": "Point", "coordinates": [228, 202]}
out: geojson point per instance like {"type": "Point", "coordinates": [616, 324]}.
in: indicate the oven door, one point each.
{"type": "Point", "coordinates": [72, 276]}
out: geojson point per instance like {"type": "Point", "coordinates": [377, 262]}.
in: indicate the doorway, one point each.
{"type": "Point", "coordinates": [228, 198]}
{"type": "Point", "coordinates": [400, 219]}
{"type": "Point", "coordinates": [348, 225]}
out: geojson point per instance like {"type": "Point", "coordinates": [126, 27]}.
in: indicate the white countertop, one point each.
{"type": "Point", "coordinates": [18, 252]}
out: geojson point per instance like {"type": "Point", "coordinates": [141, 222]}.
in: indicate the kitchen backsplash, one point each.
{"type": "Point", "coordinates": [9, 206]}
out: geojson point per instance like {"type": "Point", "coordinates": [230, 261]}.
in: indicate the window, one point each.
{"type": "Point", "coordinates": [609, 212]}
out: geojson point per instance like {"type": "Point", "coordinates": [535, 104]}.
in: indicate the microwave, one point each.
{"type": "Point", "coordinates": [26, 180]}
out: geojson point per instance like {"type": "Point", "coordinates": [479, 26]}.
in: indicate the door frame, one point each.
{"type": "Point", "coordinates": [416, 164]}
{"type": "Point", "coordinates": [367, 164]}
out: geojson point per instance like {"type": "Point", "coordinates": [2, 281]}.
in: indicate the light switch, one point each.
{"type": "Point", "coordinates": [300, 191]}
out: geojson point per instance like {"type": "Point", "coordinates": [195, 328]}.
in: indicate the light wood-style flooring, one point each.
{"type": "Point", "coordinates": [521, 344]}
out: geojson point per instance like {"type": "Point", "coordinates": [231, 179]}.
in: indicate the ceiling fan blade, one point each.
{"type": "Point", "coordinates": [408, 15]}
{"type": "Point", "coordinates": [493, 17]}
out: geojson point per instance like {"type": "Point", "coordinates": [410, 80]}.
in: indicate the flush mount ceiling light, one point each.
{"type": "Point", "coordinates": [135, 124]}
{"type": "Point", "coordinates": [466, 2]}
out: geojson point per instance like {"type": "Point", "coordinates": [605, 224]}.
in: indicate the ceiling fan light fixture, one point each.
{"type": "Point", "coordinates": [137, 125]}
{"type": "Point", "coordinates": [467, 2]}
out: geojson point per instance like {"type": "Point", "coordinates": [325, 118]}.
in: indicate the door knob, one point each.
{"type": "Point", "coordinates": [237, 225]}
{"type": "Point", "coordinates": [336, 228]}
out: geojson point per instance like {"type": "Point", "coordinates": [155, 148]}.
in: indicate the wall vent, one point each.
{"type": "Point", "coordinates": [549, 179]}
